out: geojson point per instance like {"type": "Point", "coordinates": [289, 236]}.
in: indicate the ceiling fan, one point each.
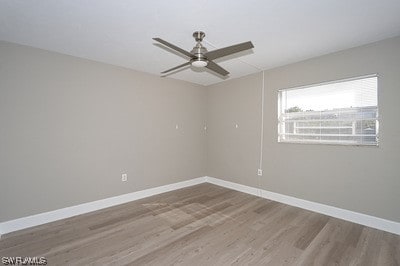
{"type": "Point", "coordinates": [199, 56]}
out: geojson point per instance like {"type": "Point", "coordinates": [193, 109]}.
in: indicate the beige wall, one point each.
{"type": "Point", "coordinates": [362, 179]}
{"type": "Point", "coordinates": [69, 127]}
{"type": "Point", "coordinates": [234, 153]}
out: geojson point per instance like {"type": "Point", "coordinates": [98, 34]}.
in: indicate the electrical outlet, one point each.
{"type": "Point", "coordinates": [259, 172]}
{"type": "Point", "coordinates": [124, 177]}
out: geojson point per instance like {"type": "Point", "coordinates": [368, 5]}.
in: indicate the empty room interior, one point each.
{"type": "Point", "coordinates": [199, 132]}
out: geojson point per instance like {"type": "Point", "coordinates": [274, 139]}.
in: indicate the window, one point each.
{"type": "Point", "coordinates": [340, 112]}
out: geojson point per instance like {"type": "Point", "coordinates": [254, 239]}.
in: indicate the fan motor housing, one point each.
{"type": "Point", "coordinates": [198, 51]}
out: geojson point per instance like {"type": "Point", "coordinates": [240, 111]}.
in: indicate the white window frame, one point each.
{"type": "Point", "coordinates": [281, 110]}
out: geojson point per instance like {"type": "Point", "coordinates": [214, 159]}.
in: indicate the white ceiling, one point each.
{"type": "Point", "coordinates": [120, 32]}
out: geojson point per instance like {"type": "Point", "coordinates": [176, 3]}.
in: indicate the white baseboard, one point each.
{"type": "Point", "coordinates": [234, 186]}
{"type": "Point", "coordinates": [42, 218]}
{"type": "Point", "coordinates": [51, 216]}
{"type": "Point", "coordinates": [355, 217]}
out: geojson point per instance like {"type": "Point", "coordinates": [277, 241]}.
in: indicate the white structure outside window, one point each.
{"type": "Point", "coordinates": [340, 112]}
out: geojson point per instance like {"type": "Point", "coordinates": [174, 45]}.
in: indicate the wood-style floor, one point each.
{"type": "Point", "coordinates": [204, 225]}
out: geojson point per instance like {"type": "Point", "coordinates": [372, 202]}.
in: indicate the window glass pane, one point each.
{"type": "Point", "coordinates": [343, 112]}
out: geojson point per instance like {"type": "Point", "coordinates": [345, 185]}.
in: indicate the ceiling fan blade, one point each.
{"type": "Point", "coordinates": [216, 68]}
{"type": "Point", "coordinates": [229, 50]}
{"type": "Point", "coordinates": [169, 70]}
{"type": "Point", "coordinates": [174, 47]}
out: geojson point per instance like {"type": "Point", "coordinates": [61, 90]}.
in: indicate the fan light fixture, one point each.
{"type": "Point", "coordinates": [199, 63]}
{"type": "Point", "coordinates": [199, 56]}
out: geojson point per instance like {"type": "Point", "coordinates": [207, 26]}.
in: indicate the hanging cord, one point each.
{"type": "Point", "coordinates": [262, 131]}
{"type": "Point", "coordinates": [262, 115]}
